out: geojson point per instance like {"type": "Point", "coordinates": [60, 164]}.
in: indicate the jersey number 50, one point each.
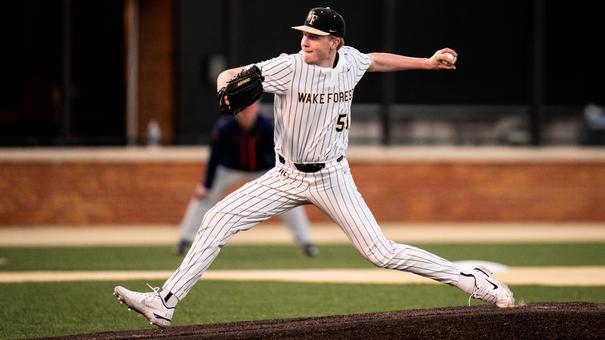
{"type": "Point", "coordinates": [342, 122]}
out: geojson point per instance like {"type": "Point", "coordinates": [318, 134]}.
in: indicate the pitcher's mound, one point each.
{"type": "Point", "coordinates": [576, 320]}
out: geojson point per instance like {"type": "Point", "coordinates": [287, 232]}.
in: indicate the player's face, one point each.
{"type": "Point", "coordinates": [316, 49]}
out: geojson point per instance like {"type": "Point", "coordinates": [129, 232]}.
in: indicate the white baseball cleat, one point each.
{"type": "Point", "coordinates": [150, 305]}
{"type": "Point", "coordinates": [490, 290]}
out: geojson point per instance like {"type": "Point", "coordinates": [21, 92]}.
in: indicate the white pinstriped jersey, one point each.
{"type": "Point", "coordinates": [313, 104]}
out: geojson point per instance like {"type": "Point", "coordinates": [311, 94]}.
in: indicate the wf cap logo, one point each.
{"type": "Point", "coordinates": [311, 17]}
{"type": "Point", "coordinates": [323, 21]}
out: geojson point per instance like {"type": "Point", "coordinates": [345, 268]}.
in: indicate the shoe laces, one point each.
{"type": "Point", "coordinates": [156, 290]}
{"type": "Point", "coordinates": [156, 294]}
{"type": "Point", "coordinates": [481, 292]}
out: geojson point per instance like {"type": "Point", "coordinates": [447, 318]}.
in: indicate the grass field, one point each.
{"type": "Point", "coordinates": [52, 309]}
{"type": "Point", "coordinates": [286, 256]}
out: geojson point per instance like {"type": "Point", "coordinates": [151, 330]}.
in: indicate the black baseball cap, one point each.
{"type": "Point", "coordinates": [323, 21]}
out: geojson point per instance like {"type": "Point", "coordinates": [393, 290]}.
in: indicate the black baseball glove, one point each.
{"type": "Point", "coordinates": [241, 91]}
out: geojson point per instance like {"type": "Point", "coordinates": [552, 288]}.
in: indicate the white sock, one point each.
{"type": "Point", "coordinates": [170, 300]}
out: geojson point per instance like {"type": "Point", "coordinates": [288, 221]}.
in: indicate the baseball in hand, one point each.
{"type": "Point", "coordinates": [449, 58]}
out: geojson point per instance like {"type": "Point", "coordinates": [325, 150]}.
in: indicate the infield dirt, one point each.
{"type": "Point", "coordinates": [533, 321]}
{"type": "Point", "coordinates": [40, 236]}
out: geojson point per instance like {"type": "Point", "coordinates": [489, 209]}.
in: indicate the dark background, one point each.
{"type": "Point", "coordinates": [495, 41]}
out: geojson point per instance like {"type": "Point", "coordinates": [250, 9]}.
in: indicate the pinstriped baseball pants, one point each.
{"type": "Point", "coordinates": [295, 219]}
{"type": "Point", "coordinates": [332, 190]}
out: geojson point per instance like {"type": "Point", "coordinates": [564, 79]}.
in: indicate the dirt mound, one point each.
{"type": "Point", "coordinates": [544, 321]}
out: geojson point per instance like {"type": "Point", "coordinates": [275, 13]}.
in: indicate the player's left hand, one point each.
{"type": "Point", "coordinates": [444, 59]}
{"type": "Point", "coordinates": [201, 191]}
{"type": "Point", "coordinates": [241, 91]}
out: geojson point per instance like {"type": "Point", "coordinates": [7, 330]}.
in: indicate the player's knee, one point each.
{"type": "Point", "coordinates": [222, 222]}
{"type": "Point", "coordinates": [212, 218]}
{"type": "Point", "coordinates": [208, 216]}
{"type": "Point", "coordinates": [379, 256]}
{"type": "Point", "coordinates": [380, 261]}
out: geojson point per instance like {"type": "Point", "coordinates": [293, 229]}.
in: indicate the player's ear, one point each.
{"type": "Point", "coordinates": [334, 43]}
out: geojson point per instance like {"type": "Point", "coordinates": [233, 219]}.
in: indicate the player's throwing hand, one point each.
{"type": "Point", "coordinates": [444, 59]}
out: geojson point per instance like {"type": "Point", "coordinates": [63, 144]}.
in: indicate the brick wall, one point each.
{"type": "Point", "coordinates": [470, 191]}
{"type": "Point", "coordinates": [92, 191]}
{"type": "Point", "coordinates": [156, 53]}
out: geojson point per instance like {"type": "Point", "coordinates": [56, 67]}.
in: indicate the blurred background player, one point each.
{"type": "Point", "coordinates": [242, 149]}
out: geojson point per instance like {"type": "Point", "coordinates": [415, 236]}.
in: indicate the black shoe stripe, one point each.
{"type": "Point", "coordinates": [467, 275]}
{"type": "Point", "coordinates": [161, 317]}
{"type": "Point", "coordinates": [486, 274]}
{"type": "Point", "coordinates": [493, 284]}
{"type": "Point", "coordinates": [473, 276]}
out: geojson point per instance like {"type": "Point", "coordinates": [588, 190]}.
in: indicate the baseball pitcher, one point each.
{"type": "Point", "coordinates": [313, 92]}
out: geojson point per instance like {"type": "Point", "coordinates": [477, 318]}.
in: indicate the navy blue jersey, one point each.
{"type": "Point", "coordinates": [235, 148]}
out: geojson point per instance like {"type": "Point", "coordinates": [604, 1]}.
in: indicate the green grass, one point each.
{"type": "Point", "coordinates": [53, 309]}
{"type": "Point", "coordinates": [280, 257]}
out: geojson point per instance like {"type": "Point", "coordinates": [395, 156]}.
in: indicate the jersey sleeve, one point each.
{"type": "Point", "coordinates": [360, 62]}
{"type": "Point", "coordinates": [278, 73]}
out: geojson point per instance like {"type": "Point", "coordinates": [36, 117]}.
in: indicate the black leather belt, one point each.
{"type": "Point", "coordinates": [308, 167]}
